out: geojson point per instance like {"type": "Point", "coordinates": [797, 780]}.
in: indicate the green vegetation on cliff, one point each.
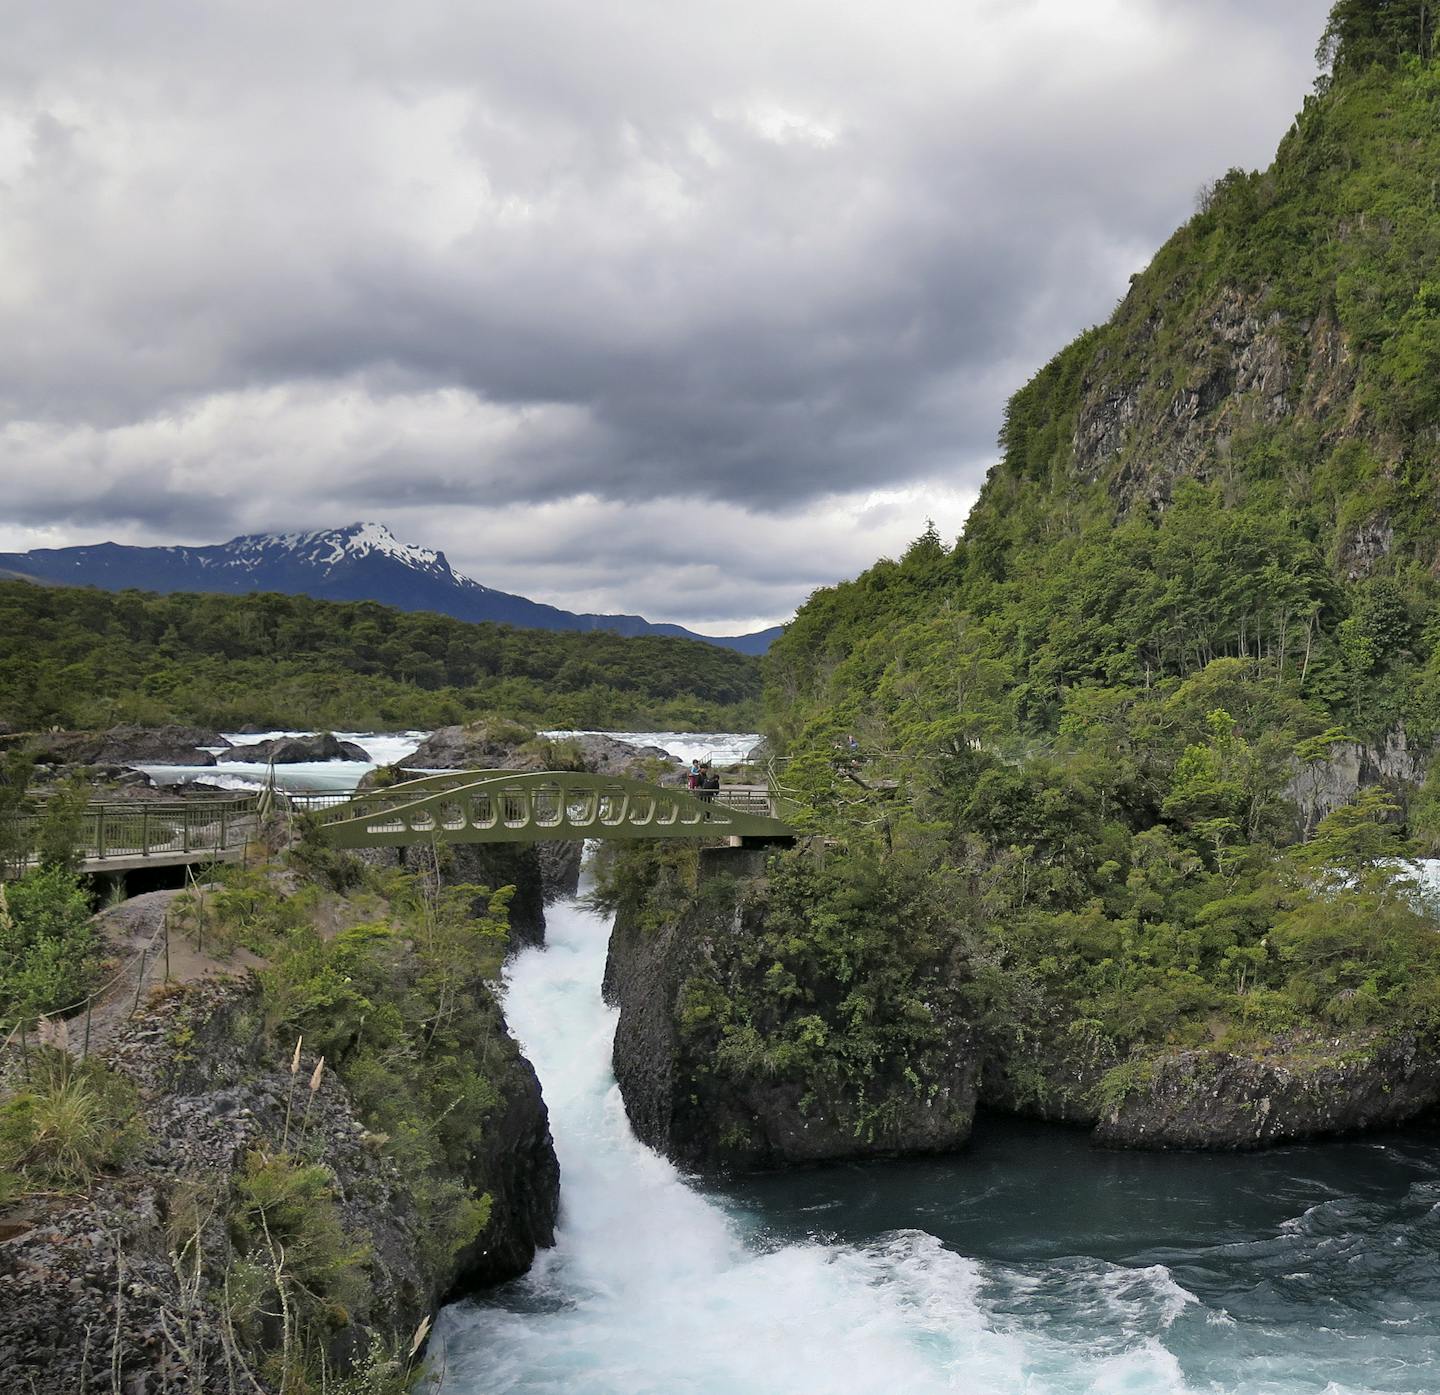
{"type": "Point", "coordinates": [90, 659]}
{"type": "Point", "coordinates": [316, 1151]}
{"type": "Point", "coordinates": [1203, 571]}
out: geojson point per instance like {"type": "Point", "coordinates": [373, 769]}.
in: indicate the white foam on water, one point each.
{"type": "Point", "coordinates": [654, 1289]}
{"type": "Point", "coordinates": [395, 747]}
{"type": "Point", "coordinates": [383, 748]}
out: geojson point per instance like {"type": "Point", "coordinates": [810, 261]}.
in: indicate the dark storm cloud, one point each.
{"type": "Point", "coordinates": [276, 265]}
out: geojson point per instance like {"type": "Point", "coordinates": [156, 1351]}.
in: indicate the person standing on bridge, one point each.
{"type": "Point", "coordinates": [692, 779]}
{"type": "Point", "coordinates": [709, 783]}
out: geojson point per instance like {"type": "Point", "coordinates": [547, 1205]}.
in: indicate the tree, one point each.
{"type": "Point", "coordinates": [1362, 32]}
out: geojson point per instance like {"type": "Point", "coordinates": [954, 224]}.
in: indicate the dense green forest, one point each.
{"type": "Point", "coordinates": [85, 658]}
{"type": "Point", "coordinates": [1206, 558]}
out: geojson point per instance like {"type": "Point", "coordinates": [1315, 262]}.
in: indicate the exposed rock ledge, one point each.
{"type": "Point", "coordinates": [710, 1116]}
{"type": "Point", "coordinates": [700, 1117]}
{"type": "Point", "coordinates": [1213, 1100]}
{"type": "Point", "coordinates": [83, 1281]}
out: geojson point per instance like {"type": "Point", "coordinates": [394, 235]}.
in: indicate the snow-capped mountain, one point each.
{"type": "Point", "coordinates": [361, 562]}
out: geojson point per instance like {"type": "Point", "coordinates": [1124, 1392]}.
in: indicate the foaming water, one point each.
{"type": "Point", "coordinates": [863, 1280]}
{"type": "Point", "coordinates": [333, 776]}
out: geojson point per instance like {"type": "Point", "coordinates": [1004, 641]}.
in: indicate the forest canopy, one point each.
{"type": "Point", "coordinates": [85, 658]}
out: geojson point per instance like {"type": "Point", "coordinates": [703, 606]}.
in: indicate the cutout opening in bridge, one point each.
{"type": "Point", "coordinates": [451, 815]}
{"type": "Point", "coordinates": [549, 806]}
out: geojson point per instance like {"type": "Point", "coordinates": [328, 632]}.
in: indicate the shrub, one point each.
{"type": "Point", "coordinates": [49, 948]}
{"type": "Point", "coordinates": [67, 1123]}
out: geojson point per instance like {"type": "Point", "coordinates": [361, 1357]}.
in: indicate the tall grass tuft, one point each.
{"type": "Point", "coordinates": [69, 1122]}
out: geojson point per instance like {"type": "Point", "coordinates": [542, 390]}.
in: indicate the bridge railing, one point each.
{"type": "Point", "coordinates": [540, 806]}
{"type": "Point", "coordinates": [145, 828]}
{"type": "Point", "coordinates": [331, 805]}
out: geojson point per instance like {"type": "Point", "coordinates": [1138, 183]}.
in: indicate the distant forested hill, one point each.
{"type": "Point", "coordinates": [77, 657]}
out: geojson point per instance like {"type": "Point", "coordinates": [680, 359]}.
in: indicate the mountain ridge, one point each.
{"type": "Point", "coordinates": [361, 561]}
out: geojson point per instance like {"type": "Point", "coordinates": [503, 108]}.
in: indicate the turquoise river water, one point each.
{"type": "Point", "coordinates": [1031, 1263]}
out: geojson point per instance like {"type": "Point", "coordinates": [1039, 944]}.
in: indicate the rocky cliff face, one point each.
{"type": "Point", "coordinates": [687, 1098]}
{"type": "Point", "coordinates": [1214, 1100]}
{"type": "Point", "coordinates": [138, 1278]}
{"type": "Point", "coordinates": [1323, 786]}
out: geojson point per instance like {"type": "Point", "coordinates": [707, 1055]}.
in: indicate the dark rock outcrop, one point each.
{"type": "Point", "coordinates": [293, 750]}
{"type": "Point", "coordinates": [1322, 786]}
{"type": "Point", "coordinates": [560, 865]}
{"type": "Point", "coordinates": [682, 1102]}
{"type": "Point", "coordinates": [122, 745]}
{"type": "Point", "coordinates": [517, 1166]}
{"type": "Point", "coordinates": [503, 864]}
{"type": "Point", "coordinates": [491, 865]}
{"type": "Point", "coordinates": [92, 1284]}
{"type": "Point", "coordinates": [1217, 1101]}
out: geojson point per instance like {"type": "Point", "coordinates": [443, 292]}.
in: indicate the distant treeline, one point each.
{"type": "Point", "coordinates": [84, 658]}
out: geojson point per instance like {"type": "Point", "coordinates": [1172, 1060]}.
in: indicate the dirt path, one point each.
{"type": "Point", "coordinates": [135, 931]}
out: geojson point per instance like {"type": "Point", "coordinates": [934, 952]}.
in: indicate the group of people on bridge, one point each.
{"type": "Point", "coordinates": [702, 780]}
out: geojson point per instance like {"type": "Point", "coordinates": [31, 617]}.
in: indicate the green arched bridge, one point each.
{"type": "Point", "coordinates": [475, 806]}
{"type": "Point", "coordinates": [498, 806]}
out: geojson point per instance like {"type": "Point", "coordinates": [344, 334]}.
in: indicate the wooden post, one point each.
{"type": "Point", "coordinates": [167, 951]}
{"type": "Point", "coordinates": [85, 1049]}
{"type": "Point", "coordinates": [139, 984]}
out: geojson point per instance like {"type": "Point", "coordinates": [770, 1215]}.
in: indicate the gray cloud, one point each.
{"type": "Point", "coordinates": [447, 264]}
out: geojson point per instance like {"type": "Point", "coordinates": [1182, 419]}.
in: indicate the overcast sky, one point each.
{"type": "Point", "coordinates": [655, 306]}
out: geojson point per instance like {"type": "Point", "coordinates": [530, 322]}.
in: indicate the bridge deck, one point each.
{"type": "Point", "coordinates": [119, 837]}
{"type": "Point", "coordinates": [478, 806]}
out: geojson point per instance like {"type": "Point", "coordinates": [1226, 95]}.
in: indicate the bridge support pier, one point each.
{"type": "Point", "coordinates": [732, 861]}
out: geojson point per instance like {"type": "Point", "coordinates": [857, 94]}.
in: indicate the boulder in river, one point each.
{"type": "Point", "coordinates": [293, 750]}
{"type": "Point", "coordinates": [501, 745]}
{"type": "Point", "coordinates": [492, 744]}
{"type": "Point", "coordinates": [123, 745]}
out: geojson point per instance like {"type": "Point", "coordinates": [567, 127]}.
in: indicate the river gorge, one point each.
{"type": "Point", "coordinates": [1031, 1262]}
{"type": "Point", "coordinates": [1028, 1261]}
